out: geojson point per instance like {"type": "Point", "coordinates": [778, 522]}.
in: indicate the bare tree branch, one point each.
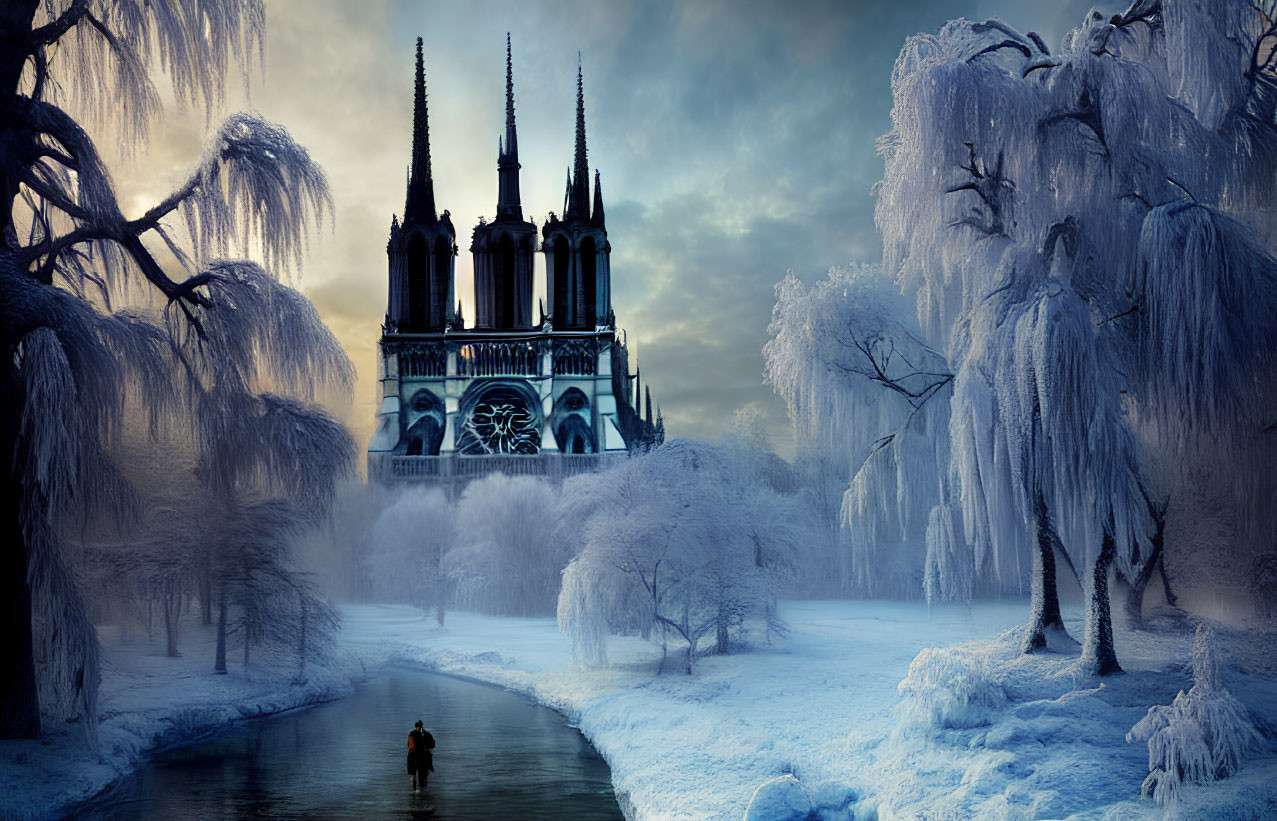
{"type": "Point", "coordinates": [52, 31]}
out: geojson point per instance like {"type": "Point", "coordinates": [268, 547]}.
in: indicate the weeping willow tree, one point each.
{"type": "Point", "coordinates": [108, 317]}
{"type": "Point", "coordinates": [1088, 237]}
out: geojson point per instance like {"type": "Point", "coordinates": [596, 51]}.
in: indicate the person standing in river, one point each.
{"type": "Point", "coordinates": [420, 759]}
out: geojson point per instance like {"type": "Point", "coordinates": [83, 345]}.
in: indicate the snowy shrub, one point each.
{"type": "Point", "coordinates": [1202, 736]}
{"type": "Point", "coordinates": [950, 688]}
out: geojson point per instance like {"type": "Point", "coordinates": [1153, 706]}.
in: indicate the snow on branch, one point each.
{"type": "Point", "coordinates": [271, 444]}
{"type": "Point", "coordinates": [1207, 297]}
{"type": "Point", "coordinates": [852, 368]}
{"type": "Point", "coordinates": [254, 333]}
{"type": "Point", "coordinates": [106, 50]}
{"type": "Point", "coordinates": [254, 185]}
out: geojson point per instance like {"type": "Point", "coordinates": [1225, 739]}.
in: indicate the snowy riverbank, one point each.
{"type": "Point", "coordinates": [823, 705]}
{"type": "Point", "coordinates": [151, 703]}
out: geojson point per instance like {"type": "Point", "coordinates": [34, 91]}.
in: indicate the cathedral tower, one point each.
{"type": "Point", "coordinates": [512, 393]}
{"type": "Point", "coordinates": [422, 248]}
{"type": "Point", "coordinates": [577, 269]}
{"type": "Point", "coordinates": [503, 248]}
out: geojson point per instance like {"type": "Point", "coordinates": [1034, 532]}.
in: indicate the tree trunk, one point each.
{"type": "Point", "coordinates": [16, 20]}
{"type": "Point", "coordinates": [206, 592]}
{"type": "Point", "coordinates": [1098, 655]}
{"type": "Point", "coordinates": [444, 595]}
{"type": "Point", "coordinates": [19, 696]}
{"type": "Point", "coordinates": [1044, 602]}
{"type": "Point", "coordinates": [219, 662]}
{"type": "Point", "coordinates": [721, 647]}
{"type": "Point", "coordinates": [1171, 598]}
{"type": "Point", "coordinates": [687, 635]}
{"type": "Point", "coordinates": [1134, 602]}
{"type": "Point", "coordinates": [172, 616]}
{"type": "Point", "coordinates": [301, 646]}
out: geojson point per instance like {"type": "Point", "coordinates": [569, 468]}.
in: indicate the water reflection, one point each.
{"type": "Point", "coordinates": [498, 757]}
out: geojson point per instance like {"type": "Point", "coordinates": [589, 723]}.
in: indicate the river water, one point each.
{"type": "Point", "coordinates": [498, 756]}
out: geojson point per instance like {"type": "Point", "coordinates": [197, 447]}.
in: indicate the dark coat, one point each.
{"type": "Point", "coordinates": [420, 743]}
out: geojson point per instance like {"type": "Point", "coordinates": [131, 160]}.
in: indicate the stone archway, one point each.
{"type": "Point", "coordinates": [426, 420]}
{"type": "Point", "coordinates": [573, 431]}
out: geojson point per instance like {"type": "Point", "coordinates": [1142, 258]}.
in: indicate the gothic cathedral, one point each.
{"type": "Point", "coordinates": [517, 392]}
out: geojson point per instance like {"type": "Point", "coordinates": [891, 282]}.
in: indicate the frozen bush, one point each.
{"type": "Point", "coordinates": [1202, 736]}
{"type": "Point", "coordinates": [950, 688]}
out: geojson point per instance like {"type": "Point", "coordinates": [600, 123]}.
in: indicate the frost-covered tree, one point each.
{"type": "Point", "coordinates": [679, 544]}
{"type": "Point", "coordinates": [261, 597]}
{"type": "Point", "coordinates": [409, 541]}
{"type": "Point", "coordinates": [850, 363]}
{"type": "Point", "coordinates": [104, 312]}
{"type": "Point", "coordinates": [1202, 736]}
{"type": "Point", "coordinates": [1087, 238]}
{"type": "Point", "coordinates": [505, 558]}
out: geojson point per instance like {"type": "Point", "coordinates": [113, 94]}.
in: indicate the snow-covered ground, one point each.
{"type": "Point", "coordinates": [821, 705]}
{"type": "Point", "coordinates": [149, 703]}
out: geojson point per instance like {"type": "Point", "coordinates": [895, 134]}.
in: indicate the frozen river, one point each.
{"type": "Point", "coordinates": [498, 757]}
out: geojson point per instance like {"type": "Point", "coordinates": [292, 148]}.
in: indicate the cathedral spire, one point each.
{"type": "Point", "coordinates": [579, 201]}
{"type": "Point", "coordinates": [596, 216]}
{"type": "Point", "coordinates": [512, 143]}
{"type": "Point", "coordinates": [420, 204]}
{"type": "Point", "coordinates": [508, 200]}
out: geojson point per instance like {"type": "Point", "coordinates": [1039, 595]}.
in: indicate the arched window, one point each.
{"type": "Point", "coordinates": [589, 264]}
{"type": "Point", "coordinates": [562, 262]}
{"type": "Point", "coordinates": [439, 286]}
{"type": "Point", "coordinates": [505, 284]}
{"type": "Point", "coordinates": [417, 284]}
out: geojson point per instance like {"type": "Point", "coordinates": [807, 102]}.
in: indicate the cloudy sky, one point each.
{"type": "Point", "coordinates": [735, 140]}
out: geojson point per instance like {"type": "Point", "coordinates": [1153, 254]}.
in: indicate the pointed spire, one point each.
{"type": "Point", "coordinates": [511, 142]}
{"type": "Point", "coordinates": [420, 205]}
{"type": "Point", "coordinates": [509, 204]}
{"type": "Point", "coordinates": [567, 194]}
{"type": "Point", "coordinates": [596, 215]}
{"type": "Point", "coordinates": [647, 394]}
{"type": "Point", "coordinates": [579, 201]}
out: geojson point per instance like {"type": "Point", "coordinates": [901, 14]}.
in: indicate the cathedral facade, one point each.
{"type": "Point", "coordinates": [539, 394]}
